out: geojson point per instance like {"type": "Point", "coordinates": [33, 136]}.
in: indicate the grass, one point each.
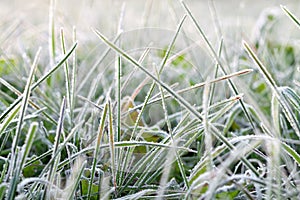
{"type": "Point", "coordinates": [160, 118]}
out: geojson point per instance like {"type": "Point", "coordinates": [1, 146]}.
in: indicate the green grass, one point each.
{"type": "Point", "coordinates": [151, 113]}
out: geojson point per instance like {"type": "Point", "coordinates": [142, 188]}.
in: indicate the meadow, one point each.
{"type": "Point", "coordinates": [151, 99]}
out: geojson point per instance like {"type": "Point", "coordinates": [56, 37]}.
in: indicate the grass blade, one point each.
{"type": "Point", "coordinates": [56, 156]}
{"type": "Point", "coordinates": [289, 150]}
{"type": "Point", "coordinates": [118, 74]}
{"type": "Point", "coordinates": [74, 77]}
{"type": "Point", "coordinates": [67, 77]}
{"type": "Point", "coordinates": [97, 148]}
{"type": "Point", "coordinates": [291, 15]}
{"type": "Point", "coordinates": [52, 53]}
{"type": "Point", "coordinates": [60, 126]}
{"type": "Point", "coordinates": [212, 90]}
{"type": "Point", "coordinates": [207, 132]}
{"type": "Point", "coordinates": [28, 143]}
{"type": "Point", "coordinates": [24, 104]}
{"type": "Point", "coordinates": [112, 145]}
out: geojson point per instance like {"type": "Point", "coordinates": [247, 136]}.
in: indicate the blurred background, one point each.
{"type": "Point", "coordinates": [27, 18]}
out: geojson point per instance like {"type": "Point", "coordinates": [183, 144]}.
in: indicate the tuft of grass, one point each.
{"type": "Point", "coordinates": [150, 113]}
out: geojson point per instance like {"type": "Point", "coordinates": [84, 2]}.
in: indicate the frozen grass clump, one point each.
{"type": "Point", "coordinates": [151, 113]}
